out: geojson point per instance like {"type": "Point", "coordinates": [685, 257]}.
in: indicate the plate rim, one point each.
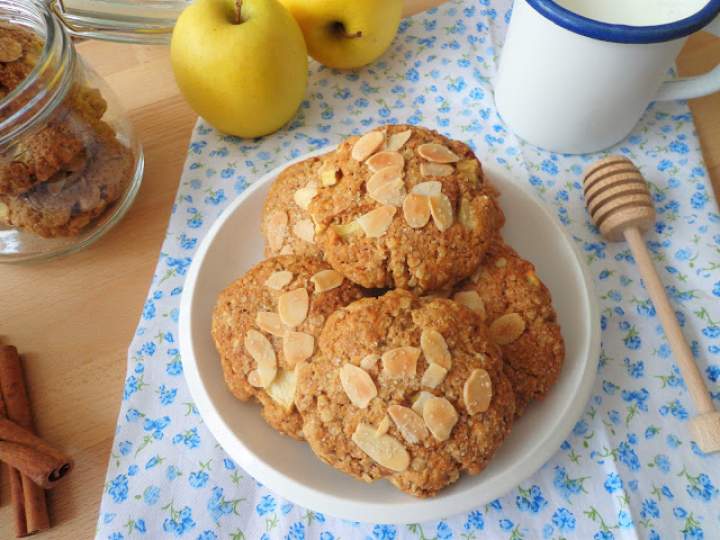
{"type": "Point", "coordinates": [378, 512]}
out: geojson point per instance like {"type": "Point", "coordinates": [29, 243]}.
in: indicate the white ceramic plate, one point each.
{"type": "Point", "coordinates": [234, 244]}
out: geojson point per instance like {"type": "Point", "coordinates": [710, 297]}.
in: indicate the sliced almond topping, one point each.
{"type": "Point", "coordinates": [501, 262]}
{"type": "Point", "coordinates": [385, 159]}
{"type": "Point", "coordinates": [297, 347]}
{"type": "Point", "coordinates": [397, 140]}
{"type": "Point", "coordinates": [293, 306]}
{"type": "Point", "coordinates": [369, 361]}
{"type": "Point", "coordinates": [470, 168]}
{"type": "Point", "coordinates": [282, 389]}
{"type": "Point", "coordinates": [376, 222]}
{"type": "Point", "coordinates": [261, 350]}
{"type": "Point", "coordinates": [416, 210]}
{"type": "Point", "coordinates": [270, 322]}
{"type": "Point", "coordinates": [347, 230]}
{"type": "Point", "coordinates": [358, 385]}
{"type": "Point", "coordinates": [431, 188]}
{"type": "Point", "coordinates": [437, 153]}
{"type": "Point", "coordinates": [435, 348]}
{"type": "Point", "coordinates": [436, 169]}
{"type": "Point", "coordinates": [466, 216]}
{"type": "Point", "coordinates": [383, 176]}
{"type": "Point", "coordinates": [304, 196]}
{"type": "Point", "coordinates": [384, 449]}
{"type": "Point", "coordinates": [367, 145]}
{"type": "Point", "coordinates": [434, 375]}
{"type": "Point", "coordinates": [441, 212]}
{"type": "Point", "coordinates": [305, 230]}
{"type": "Point", "coordinates": [419, 401]}
{"type": "Point", "coordinates": [401, 362]}
{"type": "Point", "coordinates": [325, 280]}
{"type": "Point", "coordinates": [383, 426]}
{"type": "Point", "coordinates": [409, 423]}
{"type": "Point", "coordinates": [276, 229]}
{"type": "Point", "coordinates": [254, 379]}
{"type": "Point", "coordinates": [507, 328]}
{"type": "Point", "coordinates": [391, 193]}
{"type": "Point", "coordinates": [472, 300]}
{"type": "Point", "coordinates": [278, 280]}
{"type": "Point", "coordinates": [477, 391]}
{"type": "Point", "coordinates": [328, 174]}
{"type": "Point", "coordinates": [440, 417]}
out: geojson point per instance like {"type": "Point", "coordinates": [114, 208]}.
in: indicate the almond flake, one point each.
{"type": "Point", "coordinates": [477, 391]}
{"type": "Point", "coordinates": [367, 145]}
{"type": "Point", "coordinates": [435, 348]}
{"type": "Point", "coordinates": [358, 385]}
{"type": "Point", "coordinates": [501, 262]}
{"type": "Point", "coordinates": [376, 222]}
{"type": "Point", "coordinates": [254, 379]}
{"type": "Point", "coordinates": [293, 306]}
{"type": "Point", "coordinates": [383, 426]}
{"type": "Point", "coordinates": [472, 300]}
{"type": "Point", "coordinates": [441, 212]}
{"type": "Point", "coordinates": [270, 322]}
{"type": "Point", "coordinates": [282, 389]}
{"type": "Point", "coordinates": [398, 140]}
{"type": "Point", "coordinates": [470, 169]}
{"type": "Point", "coordinates": [347, 230]}
{"type": "Point", "coordinates": [440, 417]}
{"type": "Point", "coordinates": [383, 176]}
{"type": "Point", "coordinates": [437, 153]}
{"type": "Point", "coordinates": [391, 193]}
{"type": "Point", "coordinates": [304, 196]}
{"type": "Point", "coordinates": [278, 280]}
{"type": "Point", "coordinates": [507, 328]}
{"type": "Point", "coordinates": [419, 401]}
{"type": "Point", "coordinates": [431, 188]}
{"type": "Point", "coordinates": [384, 450]}
{"type": "Point", "coordinates": [409, 423]}
{"type": "Point", "coordinates": [276, 229]}
{"type": "Point", "coordinates": [326, 280]}
{"type": "Point", "coordinates": [436, 169]}
{"type": "Point", "coordinates": [416, 210]}
{"type": "Point", "coordinates": [401, 362]}
{"type": "Point", "coordinates": [434, 375]}
{"type": "Point", "coordinates": [466, 216]}
{"type": "Point", "coordinates": [297, 347]}
{"type": "Point", "coordinates": [385, 159]}
{"type": "Point", "coordinates": [328, 174]}
{"type": "Point", "coordinates": [368, 362]}
{"type": "Point", "coordinates": [305, 230]}
{"type": "Point", "coordinates": [261, 350]}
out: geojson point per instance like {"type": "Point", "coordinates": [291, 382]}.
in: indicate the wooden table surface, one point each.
{"type": "Point", "coordinates": [73, 318]}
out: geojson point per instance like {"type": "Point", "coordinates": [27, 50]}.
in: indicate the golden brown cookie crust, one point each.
{"type": "Point", "coordinates": [420, 259]}
{"type": "Point", "coordinates": [374, 326]}
{"type": "Point", "coordinates": [507, 283]}
{"type": "Point", "coordinates": [236, 312]}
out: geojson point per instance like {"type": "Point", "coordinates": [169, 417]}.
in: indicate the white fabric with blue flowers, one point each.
{"type": "Point", "coordinates": [628, 469]}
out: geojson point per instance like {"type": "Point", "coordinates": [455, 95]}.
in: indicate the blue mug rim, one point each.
{"type": "Point", "coordinates": [622, 33]}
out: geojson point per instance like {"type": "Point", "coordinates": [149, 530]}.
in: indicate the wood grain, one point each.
{"type": "Point", "coordinates": [74, 318]}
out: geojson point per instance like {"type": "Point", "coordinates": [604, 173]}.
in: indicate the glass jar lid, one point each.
{"type": "Point", "coordinates": [128, 21]}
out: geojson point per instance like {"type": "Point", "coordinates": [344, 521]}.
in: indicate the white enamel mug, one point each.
{"type": "Point", "coordinates": [575, 84]}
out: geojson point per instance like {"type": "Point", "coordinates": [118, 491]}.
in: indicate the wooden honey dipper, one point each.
{"type": "Point", "coordinates": [619, 202]}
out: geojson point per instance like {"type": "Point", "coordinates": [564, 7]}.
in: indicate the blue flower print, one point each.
{"type": "Point", "coordinates": [118, 488]}
{"type": "Point", "coordinates": [218, 506]}
{"type": "Point", "coordinates": [151, 495]}
{"type": "Point", "coordinates": [179, 522]}
{"type": "Point", "coordinates": [613, 482]}
{"type": "Point", "coordinates": [207, 535]}
{"type": "Point", "coordinates": [167, 395]}
{"type": "Point", "coordinates": [624, 520]}
{"type": "Point", "coordinates": [384, 532]}
{"type": "Point", "coordinates": [563, 519]}
{"type": "Point", "coordinates": [149, 310]}
{"type": "Point", "coordinates": [172, 473]}
{"type": "Point", "coordinates": [189, 438]}
{"type": "Point", "coordinates": [443, 531]}
{"type": "Point", "coordinates": [531, 500]}
{"type": "Point", "coordinates": [474, 521]}
{"type": "Point", "coordinates": [649, 509]}
{"type": "Point", "coordinates": [156, 426]}
{"type": "Point", "coordinates": [198, 479]}
{"type": "Point", "coordinates": [116, 536]}
{"type": "Point", "coordinates": [549, 167]}
{"type": "Point", "coordinates": [505, 524]}
{"type": "Point", "coordinates": [266, 505]}
{"type": "Point", "coordinates": [627, 456]}
{"type": "Point", "coordinates": [125, 448]}
{"type": "Point", "coordinates": [296, 532]}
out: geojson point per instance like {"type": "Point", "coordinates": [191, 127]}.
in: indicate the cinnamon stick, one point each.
{"type": "Point", "coordinates": [17, 405]}
{"type": "Point", "coordinates": [16, 493]}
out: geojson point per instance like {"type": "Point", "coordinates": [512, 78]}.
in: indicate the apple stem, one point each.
{"type": "Point", "coordinates": [238, 14]}
{"type": "Point", "coordinates": [339, 29]}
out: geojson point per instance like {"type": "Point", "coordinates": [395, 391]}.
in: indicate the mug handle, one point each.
{"type": "Point", "coordinates": [692, 87]}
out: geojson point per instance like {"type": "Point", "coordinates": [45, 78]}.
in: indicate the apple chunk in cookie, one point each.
{"type": "Point", "coordinates": [267, 323]}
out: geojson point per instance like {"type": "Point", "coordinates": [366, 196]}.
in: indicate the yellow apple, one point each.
{"type": "Point", "coordinates": [241, 66]}
{"type": "Point", "coordinates": [346, 34]}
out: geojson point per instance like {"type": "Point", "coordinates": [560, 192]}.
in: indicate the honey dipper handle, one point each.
{"type": "Point", "coordinates": [678, 344]}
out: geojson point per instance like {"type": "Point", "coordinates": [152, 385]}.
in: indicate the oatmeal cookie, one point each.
{"type": "Point", "coordinates": [409, 209]}
{"type": "Point", "coordinates": [266, 323]}
{"type": "Point", "coordinates": [405, 388]}
{"type": "Point", "coordinates": [286, 223]}
{"type": "Point", "coordinates": [518, 308]}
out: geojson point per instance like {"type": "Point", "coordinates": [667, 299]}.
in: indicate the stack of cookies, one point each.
{"type": "Point", "coordinates": [390, 327]}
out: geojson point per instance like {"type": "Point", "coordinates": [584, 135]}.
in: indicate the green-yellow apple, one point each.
{"type": "Point", "coordinates": [241, 64]}
{"type": "Point", "coordinates": [346, 34]}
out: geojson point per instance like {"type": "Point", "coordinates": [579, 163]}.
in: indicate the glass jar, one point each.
{"type": "Point", "coordinates": [70, 164]}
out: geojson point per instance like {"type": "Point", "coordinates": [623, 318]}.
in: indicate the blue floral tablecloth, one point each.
{"type": "Point", "coordinates": [627, 470]}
